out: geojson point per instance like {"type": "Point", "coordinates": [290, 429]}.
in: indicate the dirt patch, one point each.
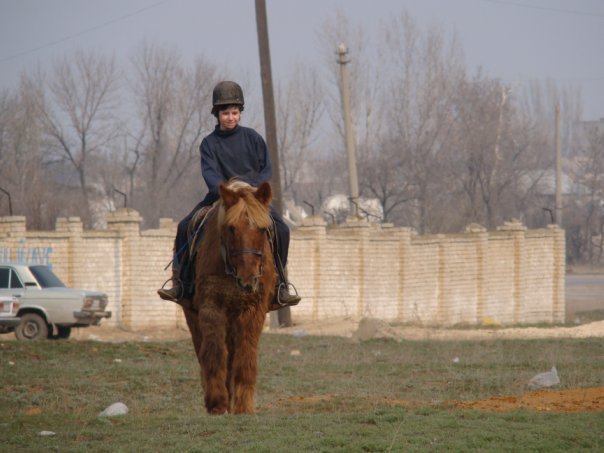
{"type": "Point", "coordinates": [570, 400]}
{"type": "Point", "coordinates": [556, 401]}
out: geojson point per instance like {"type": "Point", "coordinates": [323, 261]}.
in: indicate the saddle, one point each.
{"type": "Point", "coordinates": [195, 232]}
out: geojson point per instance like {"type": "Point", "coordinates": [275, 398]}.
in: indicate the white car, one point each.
{"type": "Point", "coordinates": [8, 314]}
{"type": "Point", "coordinates": [46, 307]}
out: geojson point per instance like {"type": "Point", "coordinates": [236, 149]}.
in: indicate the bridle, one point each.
{"type": "Point", "coordinates": [229, 268]}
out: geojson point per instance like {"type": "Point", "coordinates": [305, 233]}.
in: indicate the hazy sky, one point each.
{"type": "Point", "coordinates": [515, 40]}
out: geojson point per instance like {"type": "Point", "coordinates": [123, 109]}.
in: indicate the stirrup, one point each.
{"type": "Point", "coordinates": [179, 297]}
{"type": "Point", "coordinates": [287, 285]}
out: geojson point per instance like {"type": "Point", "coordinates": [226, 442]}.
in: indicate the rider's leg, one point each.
{"type": "Point", "coordinates": [283, 297]}
{"type": "Point", "coordinates": [175, 293]}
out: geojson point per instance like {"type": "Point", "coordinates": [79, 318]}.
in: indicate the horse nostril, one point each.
{"type": "Point", "coordinates": [247, 287]}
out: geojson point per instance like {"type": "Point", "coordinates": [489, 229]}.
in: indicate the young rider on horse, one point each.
{"type": "Point", "coordinates": [231, 151]}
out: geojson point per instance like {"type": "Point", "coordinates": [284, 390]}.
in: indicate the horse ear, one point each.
{"type": "Point", "coordinates": [264, 193]}
{"type": "Point", "coordinates": [229, 197]}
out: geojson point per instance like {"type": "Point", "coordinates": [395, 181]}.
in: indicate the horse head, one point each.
{"type": "Point", "coordinates": [244, 221]}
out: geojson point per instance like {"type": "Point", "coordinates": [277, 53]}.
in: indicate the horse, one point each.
{"type": "Point", "coordinates": [235, 280]}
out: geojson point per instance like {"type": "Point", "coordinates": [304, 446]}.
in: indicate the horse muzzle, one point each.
{"type": "Point", "coordinates": [248, 285]}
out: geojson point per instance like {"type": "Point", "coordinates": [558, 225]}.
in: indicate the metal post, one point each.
{"type": "Point", "coordinates": [350, 148]}
{"type": "Point", "coordinates": [558, 169]}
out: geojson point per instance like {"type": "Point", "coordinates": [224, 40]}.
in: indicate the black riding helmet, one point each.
{"type": "Point", "coordinates": [226, 93]}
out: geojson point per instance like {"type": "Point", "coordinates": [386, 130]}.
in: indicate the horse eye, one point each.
{"type": "Point", "coordinates": [232, 229]}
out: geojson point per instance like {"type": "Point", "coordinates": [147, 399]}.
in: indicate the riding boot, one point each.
{"type": "Point", "coordinates": [175, 293]}
{"type": "Point", "coordinates": [283, 298]}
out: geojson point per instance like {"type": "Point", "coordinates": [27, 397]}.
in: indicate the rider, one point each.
{"type": "Point", "coordinates": [232, 150]}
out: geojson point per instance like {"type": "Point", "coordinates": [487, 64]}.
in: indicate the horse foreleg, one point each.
{"type": "Point", "coordinates": [213, 356]}
{"type": "Point", "coordinates": [193, 324]}
{"type": "Point", "coordinates": [244, 367]}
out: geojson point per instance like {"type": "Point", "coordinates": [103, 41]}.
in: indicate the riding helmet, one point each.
{"type": "Point", "coordinates": [227, 93]}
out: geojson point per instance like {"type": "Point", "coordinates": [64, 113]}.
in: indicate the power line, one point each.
{"type": "Point", "coordinates": [547, 8]}
{"type": "Point", "coordinates": [83, 32]}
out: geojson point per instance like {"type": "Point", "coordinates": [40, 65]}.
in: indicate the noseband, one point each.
{"type": "Point", "coordinates": [230, 269]}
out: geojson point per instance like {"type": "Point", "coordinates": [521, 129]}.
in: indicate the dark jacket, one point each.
{"type": "Point", "coordinates": [240, 153]}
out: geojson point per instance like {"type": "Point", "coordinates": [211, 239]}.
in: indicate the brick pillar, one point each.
{"type": "Point", "coordinates": [72, 227]}
{"type": "Point", "coordinates": [360, 229]}
{"type": "Point", "coordinates": [304, 269]}
{"type": "Point", "coordinates": [559, 274]}
{"type": "Point", "coordinates": [482, 243]}
{"type": "Point", "coordinates": [518, 230]}
{"type": "Point", "coordinates": [127, 222]}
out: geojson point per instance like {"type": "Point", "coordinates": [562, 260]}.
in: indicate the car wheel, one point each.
{"type": "Point", "coordinates": [31, 327]}
{"type": "Point", "coordinates": [63, 332]}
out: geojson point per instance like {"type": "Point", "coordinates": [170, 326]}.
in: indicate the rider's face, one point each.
{"type": "Point", "coordinates": [229, 118]}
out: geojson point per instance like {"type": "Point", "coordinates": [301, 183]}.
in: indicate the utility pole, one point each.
{"type": "Point", "coordinates": [348, 132]}
{"type": "Point", "coordinates": [270, 122]}
{"type": "Point", "coordinates": [558, 169]}
{"type": "Point", "coordinates": [281, 317]}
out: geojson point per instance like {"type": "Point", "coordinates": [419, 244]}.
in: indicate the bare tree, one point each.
{"type": "Point", "coordinates": [502, 158]}
{"type": "Point", "coordinates": [173, 105]}
{"type": "Point", "coordinates": [299, 111]}
{"type": "Point", "coordinates": [423, 73]}
{"type": "Point", "coordinates": [77, 110]}
{"type": "Point", "coordinates": [538, 102]}
{"type": "Point", "coordinates": [22, 166]}
{"type": "Point", "coordinates": [587, 225]}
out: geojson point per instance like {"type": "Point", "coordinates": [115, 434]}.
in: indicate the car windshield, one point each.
{"type": "Point", "coordinates": [46, 278]}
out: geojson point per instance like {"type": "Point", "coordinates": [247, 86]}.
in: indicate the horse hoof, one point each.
{"type": "Point", "coordinates": [217, 411]}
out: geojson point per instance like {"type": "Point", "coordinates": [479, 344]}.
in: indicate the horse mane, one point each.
{"type": "Point", "coordinates": [257, 213]}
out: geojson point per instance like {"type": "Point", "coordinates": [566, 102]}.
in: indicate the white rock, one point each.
{"type": "Point", "coordinates": [46, 433]}
{"type": "Point", "coordinates": [115, 409]}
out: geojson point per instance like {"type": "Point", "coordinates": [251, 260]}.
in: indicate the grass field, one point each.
{"type": "Point", "coordinates": [313, 394]}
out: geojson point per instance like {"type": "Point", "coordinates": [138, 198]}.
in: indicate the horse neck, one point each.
{"type": "Point", "coordinates": [209, 258]}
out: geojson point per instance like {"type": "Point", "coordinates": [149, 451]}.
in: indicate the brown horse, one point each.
{"type": "Point", "coordinates": [235, 281]}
